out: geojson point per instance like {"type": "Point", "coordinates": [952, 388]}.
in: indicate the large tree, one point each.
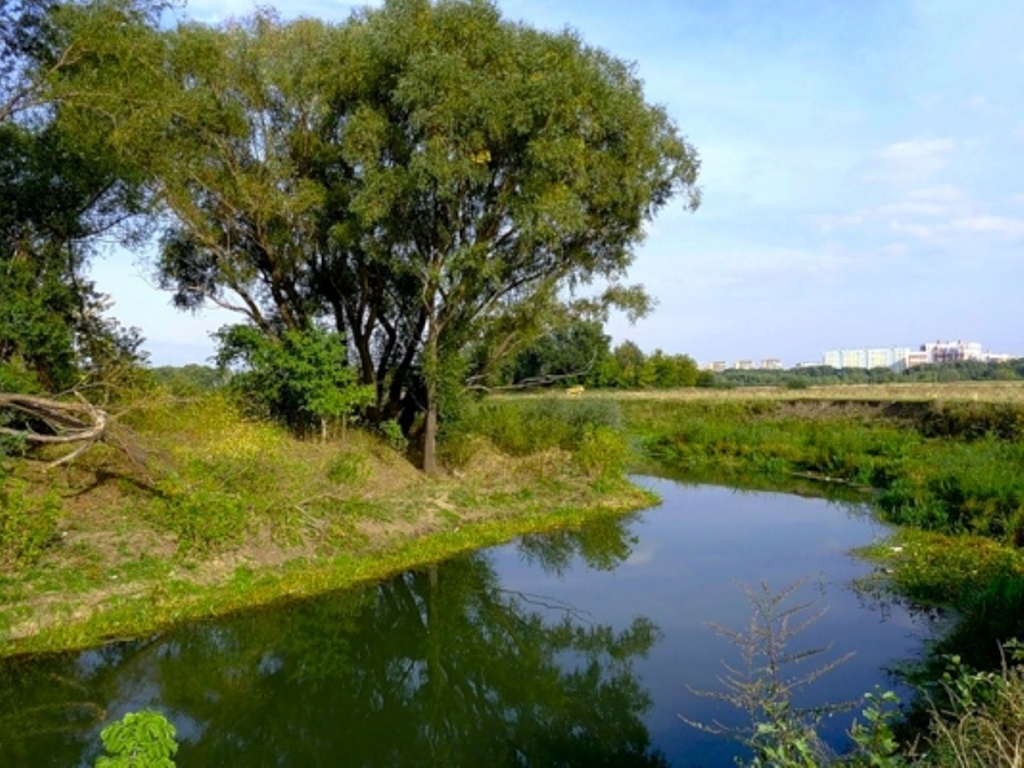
{"type": "Point", "coordinates": [414, 177]}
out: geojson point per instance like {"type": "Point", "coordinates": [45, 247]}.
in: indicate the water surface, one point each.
{"type": "Point", "coordinates": [574, 648]}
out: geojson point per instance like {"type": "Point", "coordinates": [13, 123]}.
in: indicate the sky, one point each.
{"type": "Point", "coordinates": [862, 174]}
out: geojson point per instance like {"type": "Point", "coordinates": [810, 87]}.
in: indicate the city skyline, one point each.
{"type": "Point", "coordinates": [862, 175]}
{"type": "Point", "coordinates": [895, 356]}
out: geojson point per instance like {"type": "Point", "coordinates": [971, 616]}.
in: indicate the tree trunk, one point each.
{"type": "Point", "coordinates": [431, 375]}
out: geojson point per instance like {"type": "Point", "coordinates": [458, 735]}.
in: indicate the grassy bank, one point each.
{"type": "Point", "coordinates": [193, 511]}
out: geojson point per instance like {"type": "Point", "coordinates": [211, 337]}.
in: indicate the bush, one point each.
{"type": "Point", "coordinates": [301, 378]}
{"type": "Point", "coordinates": [203, 520]}
{"type": "Point", "coordinates": [347, 468]}
{"type": "Point", "coordinates": [602, 453]}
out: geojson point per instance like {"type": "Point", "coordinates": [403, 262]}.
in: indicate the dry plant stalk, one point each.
{"type": "Point", "coordinates": [764, 685]}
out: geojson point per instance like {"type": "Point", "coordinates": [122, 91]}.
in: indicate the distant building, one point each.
{"type": "Point", "coordinates": [744, 365]}
{"type": "Point", "coordinates": [917, 358]}
{"type": "Point", "coordinates": [952, 351]}
{"type": "Point", "coordinates": [901, 358]}
{"type": "Point", "coordinates": [718, 366]}
{"type": "Point", "coordinates": [868, 357]}
{"type": "Point", "coordinates": [771, 364]}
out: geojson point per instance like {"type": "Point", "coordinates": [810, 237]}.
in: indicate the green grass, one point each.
{"type": "Point", "coordinates": [172, 599]}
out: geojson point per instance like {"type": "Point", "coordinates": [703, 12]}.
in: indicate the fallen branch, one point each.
{"type": "Point", "coordinates": [65, 422]}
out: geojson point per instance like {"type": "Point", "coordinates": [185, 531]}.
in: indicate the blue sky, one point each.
{"type": "Point", "coordinates": [862, 175]}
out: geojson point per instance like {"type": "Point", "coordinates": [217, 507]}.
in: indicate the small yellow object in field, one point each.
{"type": "Point", "coordinates": [575, 391]}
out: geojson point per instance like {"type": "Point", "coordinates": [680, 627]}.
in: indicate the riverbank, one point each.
{"type": "Point", "coordinates": [192, 511]}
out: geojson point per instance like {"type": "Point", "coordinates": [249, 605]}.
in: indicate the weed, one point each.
{"type": "Point", "coordinates": [346, 468]}
{"type": "Point", "coordinates": [392, 433]}
{"type": "Point", "coordinates": [765, 683]}
{"type": "Point", "coordinates": [28, 525]}
{"type": "Point", "coordinates": [980, 720]}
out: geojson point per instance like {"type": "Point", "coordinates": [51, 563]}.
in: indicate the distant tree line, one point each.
{"type": "Point", "coordinates": [821, 375]}
{"type": "Point", "coordinates": [581, 353]}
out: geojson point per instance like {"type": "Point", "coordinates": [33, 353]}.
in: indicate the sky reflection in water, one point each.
{"type": "Point", "coordinates": [570, 649]}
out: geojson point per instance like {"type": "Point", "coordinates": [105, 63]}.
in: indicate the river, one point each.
{"type": "Point", "coordinates": [575, 648]}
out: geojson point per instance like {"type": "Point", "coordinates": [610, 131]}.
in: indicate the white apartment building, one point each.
{"type": "Point", "coordinates": [868, 357]}
{"type": "Point", "coordinates": [900, 358]}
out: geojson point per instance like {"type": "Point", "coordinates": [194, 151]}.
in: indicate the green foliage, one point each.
{"type": "Point", "coordinates": [28, 525]}
{"type": "Point", "coordinates": [977, 717]}
{"type": "Point", "coordinates": [188, 380]}
{"type": "Point", "coordinates": [202, 519]}
{"type": "Point", "coordinates": [300, 377]}
{"type": "Point", "coordinates": [144, 739]}
{"type": "Point", "coordinates": [524, 426]}
{"type": "Point", "coordinates": [875, 740]}
{"type": "Point", "coordinates": [822, 375]}
{"type": "Point", "coordinates": [62, 188]}
{"type": "Point", "coordinates": [581, 348]}
{"type": "Point", "coordinates": [361, 177]}
{"type": "Point", "coordinates": [392, 433]}
{"type": "Point", "coordinates": [602, 452]}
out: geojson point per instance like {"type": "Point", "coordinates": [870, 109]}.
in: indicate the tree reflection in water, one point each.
{"type": "Point", "coordinates": [438, 666]}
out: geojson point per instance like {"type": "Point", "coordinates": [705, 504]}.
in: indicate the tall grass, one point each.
{"type": "Point", "coordinates": [590, 430]}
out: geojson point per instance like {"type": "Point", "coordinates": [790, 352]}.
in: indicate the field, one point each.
{"type": "Point", "coordinates": [976, 391]}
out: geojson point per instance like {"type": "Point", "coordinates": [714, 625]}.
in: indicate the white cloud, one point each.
{"type": "Point", "coordinates": [909, 161]}
{"type": "Point", "coordinates": [945, 201]}
{"type": "Point", "coordinates": [987, 224]}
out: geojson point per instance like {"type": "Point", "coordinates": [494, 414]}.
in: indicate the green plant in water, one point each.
{"type": "Point", "coordinates": [139, 740]}
{"type": "Point", "coordinates": [875, 739]}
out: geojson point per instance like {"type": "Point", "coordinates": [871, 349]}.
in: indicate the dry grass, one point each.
{"type": "Point", "coordinates": [989, 736]}
{"type": "Point", "coordinates": [970, 391]}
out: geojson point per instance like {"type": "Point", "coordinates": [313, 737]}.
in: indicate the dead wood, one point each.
{"type": "Point", "coordinates": [42, 421]}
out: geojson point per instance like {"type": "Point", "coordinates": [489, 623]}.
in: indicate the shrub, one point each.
{"type": "Point", "coordinates": [301, 378]}
{"type": "Point", "coordinates": [602, 452]}
{"type": "Point", "coordinates": [346, 468]}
